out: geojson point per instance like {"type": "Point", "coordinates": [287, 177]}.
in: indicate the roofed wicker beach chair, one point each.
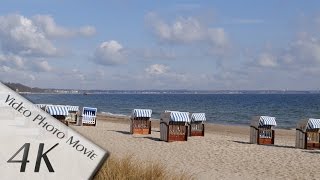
{"type": "Point", "coordinates": [59, 112]}
{"type": "Point", "coordinates": [140, 121]}
{"type": "Point", "coordinates": [261, 130]}
{"type": "Point", "coordinates": [89, 116]}
{"type": "Point", "coordinates": [307, 134]}
{"type": "Point", "coordinates": [41, 106]}
{"type": "Point", "coordinates": [72, 118]}
{"type": "Point", "coordinates": [174, 126]}
{"type": "Point", "coordinates": [196, 125]}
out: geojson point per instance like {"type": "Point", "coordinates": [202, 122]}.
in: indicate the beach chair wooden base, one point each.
{"type": "Point", "coordinates": [312, 139]}
{"type": "Point", "coordinates": [313, 145]}
{"type": "Point", "coordinates": [173, 138]}
{"type": "Point", "coordinates": [140, 126]}
{"type": "Point", "coordinates": [174, 131]}
{"type": "Point", "coordinates": [196, 133]}
{"type": "Point", "coordinates": [177, 132]}
{"type": "Point", "coordinates": [141, 131]}
{"type": "Point", "coordinates": [265, 141]}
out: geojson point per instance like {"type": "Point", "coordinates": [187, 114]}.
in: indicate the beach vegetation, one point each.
{"type": "Point", "coordinates": [127, 168]}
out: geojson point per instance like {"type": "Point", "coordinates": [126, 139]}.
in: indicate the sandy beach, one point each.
{"type": "Point", "coordinates": [224, 152]}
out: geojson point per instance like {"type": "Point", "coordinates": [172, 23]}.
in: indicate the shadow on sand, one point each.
{"type": "Point", "coordinates": [241, 142]}
{"type": "Point", "coordinates": [122, 132]}
{"type": "Point", "coordinates": [312, 151]}
{"type": "Point", "coordinates": [274, 145]}
{"type": "Point", "coordinates": [282, 146]}
{"type": "Point", "coordinates": [151, 138]}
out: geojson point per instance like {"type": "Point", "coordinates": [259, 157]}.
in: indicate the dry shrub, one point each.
{"type": "Point", "coordinates": [127, 168]}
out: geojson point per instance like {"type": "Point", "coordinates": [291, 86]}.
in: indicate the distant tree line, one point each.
{"type": "Point", "coordinates": [23, 88]}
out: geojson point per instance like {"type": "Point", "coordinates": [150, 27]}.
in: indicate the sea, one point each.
{"type": "Point", "coordinates": [229, 109]}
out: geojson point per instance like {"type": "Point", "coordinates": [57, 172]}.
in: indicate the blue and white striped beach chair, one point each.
{"type": "Point", "coordinates": [261, 130]}
{"type": "Point", "coordinates": [89, 116]}
{"type": "Point", "coordinates": [59, 112]}
{"type": "Point", "coordinates": [307, 134]}
{"type": "Point", "coordinates": [196, 126]}
{"type": "Point", "coordinates": [174, 126]}
{"type": "Point", "coordinates": [140, 121]}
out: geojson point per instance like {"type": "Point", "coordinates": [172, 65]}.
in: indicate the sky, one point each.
{"type": "Point", "coordinates": [138, 45]}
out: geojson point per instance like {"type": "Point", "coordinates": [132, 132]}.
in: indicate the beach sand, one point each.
{"type": "Point", "coordinates": [224, 152]}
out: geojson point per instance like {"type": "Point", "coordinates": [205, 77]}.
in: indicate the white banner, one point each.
{"type": "Point", "coordinates": [34, 145]}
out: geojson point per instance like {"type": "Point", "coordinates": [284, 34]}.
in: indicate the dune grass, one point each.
{"type": "Point", "coordinates": [127, 168]}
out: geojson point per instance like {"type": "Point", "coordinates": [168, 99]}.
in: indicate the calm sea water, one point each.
{"type": "Point", "coordinates": [234, 109]}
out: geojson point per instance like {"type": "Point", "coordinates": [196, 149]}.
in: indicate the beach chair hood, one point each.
{"type": "Point", "coordinates": [175, 116]}
{"type": "Point", "coordinates": [307, 124]}
{"type": "Point", "coordinates": [73, 108]}
{"type": "Point", "coordinates": [263, 121]}
{"type": "Point", "coordinates": [141, 113]}
{"type": "Point", "coordinates": [41, 105]}
{"type": "Point", "coordinates": [57, 110]}
{"type": "Point", "coordinates": [198, 117]}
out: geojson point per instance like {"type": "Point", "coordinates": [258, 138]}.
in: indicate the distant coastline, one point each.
{"type": "Point", "coordinates": [88, 92]}
{"type": "Point", "coordinates": [23, 89]}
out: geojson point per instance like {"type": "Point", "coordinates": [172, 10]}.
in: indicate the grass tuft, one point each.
{"type": "Point", "coordinates": [127, 168]}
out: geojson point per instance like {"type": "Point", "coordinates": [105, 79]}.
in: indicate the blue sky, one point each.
{"type": "Point", "coordinates": [208, 45]}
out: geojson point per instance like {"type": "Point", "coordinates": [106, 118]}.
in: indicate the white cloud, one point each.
{"type": "Point", "coordinates": [35, 36]}
{"type": "Point", "coordinates": [32, 77]}
{"type": "Point", "coordinates": [12, 61]}
{"type": "Point", "coordinates": [87, 30]}
{"type": "Point", "coordinates": [299, 61]}
{"type": "Point", "coordinates": [42, 66]}
{"type": "Point", "coordinates": [186, 30]}
{"type": "Point", "coordinates": [110, 53]}
{"type": "Point", "coordinates": [306, 49]}
{"type": "Point", "coordinates": [267, 60]}
{"type": "Point", "coordinates": [160, 76]}
{"type": "Point", "coordinates": [19, 63]}
{"type": "Point", "coordinates": [160, 28]}
{"type": "Point", "coordinates": [157, 69]}
{"type": "Point", "coordinates": [8, 74]}
{"type": "Point", "coordinates": [301, 53]}
{"type": "Point", "coordinates": [218, 37]}
{"type": "Point", "coordinates": [19, 35]}
{"type": "Point", "coordinates": [5, 69]}
{"type": "Point", "coordinates": [48, 25]}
